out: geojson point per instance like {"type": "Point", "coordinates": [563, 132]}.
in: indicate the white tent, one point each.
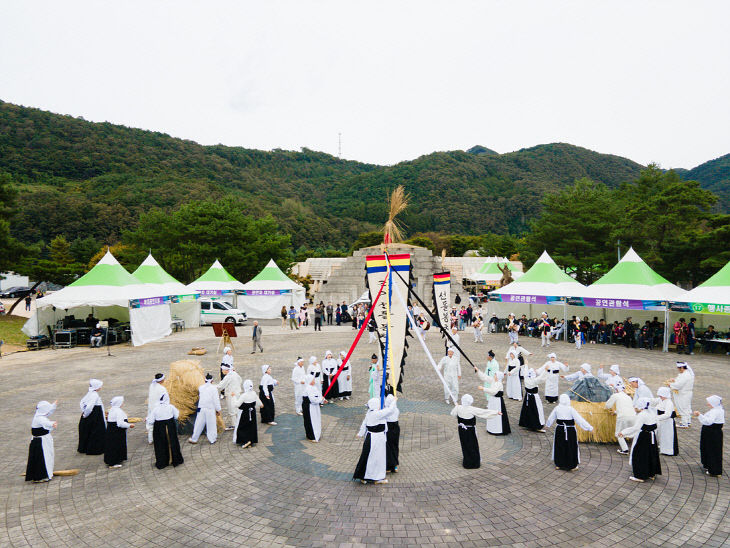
{"type": "Point", "coordinates": [217, 282]}
{"type": "Point", "coordinates": [268, 291]}
{"type": "Point", "coordinates": [107, 291]}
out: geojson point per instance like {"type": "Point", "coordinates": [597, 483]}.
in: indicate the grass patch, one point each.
{"type": "Point", "coordinates": [10, 330]}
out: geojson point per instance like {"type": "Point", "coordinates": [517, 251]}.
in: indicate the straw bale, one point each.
{"type": "Point", "coordinates": [182, 384]}
{"type": "Point", "coordinates": [601, 419]}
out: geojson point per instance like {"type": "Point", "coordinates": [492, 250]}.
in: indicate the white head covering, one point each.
{"type": "Point", "coordinates": [715, 401]}
{"type": "Point", "coordinates": [94, 384]}
{"type": "Point", "coordinates": [511, 314]}
{"type": "Point", "coordinates": [264, 369]}
{"type": "Point", "coordinates": [343, 353]}
{"type": "Point", "coordinates": [388, 399]}
{"type": "Point", "coordinates": [225, 368]}
{"type": "Point", "coordinates": [227, 349]}
{"type": "Point", "coordinates": [552, 355]}
{"type": "Point", "coordinates": [499, 375]}
{"type": "Point", "coordinates": [299, 360]}
{"type": "Point", "coordinates": [328, 353]}
{"type": "Point", "coordinates": [160, 378]}
{"type": "Point", "coordinates": [312, 359]}
{"type": "Point", "coordinates": [451, 349]}
{"type": "Point", "coordinates": [615, 369]}
{"type": "Point", "coordinates": [564, 399]}
{"type": "Point", "coordinates": [663, 392]}
{"type": "Point", "coordinates": [686, 366]}
{"type": "Point", "coordinates": [208, 378]}
{"type": "Point", "coordinates": [44, 408]}
{"type": "Point", "coordinates": [642, 403]}
{"type": "Point", "coordinates": [374, 404]}
{"type": "Point", "coordinates": [466, 400]}
{"type": "Point", "coordinates": [117, 401]}
{"type": "Point", "coordinates": [586, 367]}
{"type": "Point", "coordinates": [248, 385]}
{"type": "Point", "coordinates": [636, 379]}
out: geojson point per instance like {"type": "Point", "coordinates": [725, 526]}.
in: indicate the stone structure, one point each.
{"type": "Point", "coordinates": [347, 280]}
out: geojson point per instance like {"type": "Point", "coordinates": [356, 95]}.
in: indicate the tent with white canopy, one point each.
{"type": "Point", "coordinates": [268, 291]}
{"type": "Point", "coordinates": [184, 303]}
{"type": "Point", "coordinates": [216, 282]}
{"type": "Point", "coordinates": [107, 291]}
{"type": "Point", "coordinates": [490, 274]}
{"type": "Point", "coordinates": [711, 297]}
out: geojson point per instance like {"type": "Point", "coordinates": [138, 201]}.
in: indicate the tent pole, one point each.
{"type": "Point", "coordinates": [665, 347]}
{"type": "Point", "coordinates": [565, 320]}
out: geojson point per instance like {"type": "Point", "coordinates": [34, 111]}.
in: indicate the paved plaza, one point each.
{"type": "Point", "coordinates": [286, 492]}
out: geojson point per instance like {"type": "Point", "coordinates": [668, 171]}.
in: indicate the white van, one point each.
{"type": "Point", "coordinates": [220, 311]}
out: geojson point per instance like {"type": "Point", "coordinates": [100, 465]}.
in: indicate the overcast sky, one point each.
{"type": "Point", "coordinates": [649, 80]}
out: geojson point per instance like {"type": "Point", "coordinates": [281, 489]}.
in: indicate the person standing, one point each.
{"type": "Point", "coordinates": [372, 331]}
{"type": "Point", "coordinates": [513, 328]}
{"type": "Point", "coordinates": [612, 378]}
{"type": "Point", "coordinates": [329, 368]}
{"type": "Point", "coordinates": [115, 448]}
{"type": "Point", "coordinates": [545, 329]}
{"type": "Point", "coordinates": [92, 425]}
{"type": "Point", "coordinates": [392, 435]}
{"type": "Point", "coordinates": [451, 368]}
{"type": "Point", "coordinates": [344, 381]}
{"type": "Point", "coordinates": [374, 373]}
{"type": "Point", "coordinates": [256, 337]}
{"type": "Point", "coordinates": [315, 370]}
{"type": "Point", "coordinates": [284, 316]}
{"type": "Point", "coordinates": [552, 383]}
{"type": "Point", "coordinates": [490, 371]}
{"type": "Point", "coordinates": [371, 465]}
{"type": "Point", "coordinates": [318, 313]}
{"type": "Point", "coordinates": [625, 415]}
{"type": "Point", "coordinates": [338, 316]}
{"type": "Point", "coordinates": [512, 371]}
{"type": "Point", "coordinates": [644, 459]}
{"type": "Point", "coordinates": [497, 426]}
{"type": "Point", "coordinates": [640, 390]}
{"type": "Point", "coordinates": [532, 415]}
{"type": "Point", "coordinates": [312, 414]}
{"type": "Point", "coordinates": [629, 333]}
{"type": "Point", "coordinates": [683, 386]}
{"type": "Point", "coordinates": [163, 421]}
{"type": "Point", "coordinates": [466, 417]}
{"type": "Point", "coordinates": [478, 324]}
{"type": "Point", "coordinates": [231, 386]}
{"type": "Point", "coordinates": [41, 454]}
{"type": "Point", "coordinates": [711, 436]}
{"type": "Point", "coordinates": [246, 432]}
{"type": "Point", "coordinates": [154, 394]}
{"type": "Point", "coordinates": [292, 314]}
{"type": "Point", "coordinates": [226, 360]}
{"type": "Point", "coordinates": [666, 428]}
{"type": "Point", "coordinates": [566, 453]}
{"type": "Point", "coordinates": [329, 313]}
{"type": "Point", "coordinates": [28, 300]}
{"type": "Point", "coordinates": [209, 407]}
{"type": "Point", "coordinates": [680, 335]}
{"type": "Point", "coordinates": [577, 334]}
{"type": "Point", "coordinates": [266, 395]}
{"type": "Point", "coordinates": [298, 377]}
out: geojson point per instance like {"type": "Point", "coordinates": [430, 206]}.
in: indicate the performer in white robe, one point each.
{"type": "Point", "coordinates": [246, 432]}
{"type": "Point", "coordinates": [683, 385]}
{"type": "Point", "coordinates": [644, 459]}
{"type": "Point", "coordinates": [92, 425]}
{"type": "Point", "coordinates": [512, 328]}
{"type": "Point", "coordinates": [371, 466]}
{"type": "Point", "coordinates": [115, 448]}
{"type": "Point", "coordinates": [231, 386]}
{"type": "Point", "coordinates": [466, 416]}
{"type": "Point", "coordinates": [227, 359]}
{"type": "Point", "coordinates": [329, 368]}
{"type": "Point", "coordinates": [311, 402]}
{"type": "Point", "coordinates": [711, 436]}
{"type": "Point", "coordinates": [585, 371]}
{"type": "Point", "coordinates": [40, 452]}
{"type": "Point", "coordinates": [266, 395]}
{"type": "Point", "coordinates": [532, 415]}
{"type": "Point", "coordinates": [497, 426]}
{"type": "Point", "coordinates": [167, 445]}
{"type": "Point", "coordinates": [153, 399]}
{"type": "Point", "coordinates": [566, 453]}
{"type": "Point", "coordinates": [457, 339]}
{"type": "Point", "coordinates": [490, 371]}
{"type": "Point", "coordinates": [316, 370]}
{"type": "Point", "coordinates": [392, 435]}
{"type": "Point", "coordinates": [640, 390]}
{"type": "Point", "coordinates": [450, 366]}
{"type": "Point", "coordinates": [612, 378]}
{"type": "Point", "coordinates": [375, 376]}
{"type": "Point", "coordinates": [625, 416]}
{"type": "Point", "coordinates": [512, 373]}
{"type": "Point", "coordinates": [209, 406]}
{"type": "Point", "coordinates": [553, 368]}
{"type": "Point", "coordinates": [344, 381]}
{"type": "Point", "coordinates": [666, 428]}
{"type": "Point", "coordinates": [478, 325]}
{"type": "Point", "coordinates": [298, 378]}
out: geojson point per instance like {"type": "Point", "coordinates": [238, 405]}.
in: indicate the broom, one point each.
{"type": "Point", "coordinates": [69, 472]}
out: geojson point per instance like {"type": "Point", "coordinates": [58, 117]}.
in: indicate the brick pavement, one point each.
{"type": "Point", "coordinates": [286, 492]}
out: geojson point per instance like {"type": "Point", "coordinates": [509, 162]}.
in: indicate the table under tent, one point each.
{"type": "Point", "coordinates": [217, 282]}
{"type": "Point", "coordinates": [108, 292]}
{"type": "Point", "coordinates": [268, 291]}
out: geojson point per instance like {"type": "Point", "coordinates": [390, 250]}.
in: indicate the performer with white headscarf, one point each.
{"type": "Point", "coordinates": [532, 415]}
{"type": "Point", "coordinates": [266, 395]}
{"type": "Point", "coordinates": [466, 416]}
{"type": "Point", "coordinates": [644, 459]}
{"type": "Point", "coordinates": [392, 435]}
{"type": "Point", "coordinates": [164, 430]}
{"type": "Point", "coordinates": [246, 432]}
{"type": "Point", "coordinates": [40, 452]}
{"type": "Point", "coordinates": [683, 385]}
{"type": "Point", "coordinates": [92, 425]}
{"type": "Point", "coordinates": [209, 406]}
{"type": "Point", "coordinates": [566, 453]}
{"type": "Point", "coordinates": [640, 390]}
{"type": "Point", "coordinates": [512, 373]}
{"type": "Point", "coordinates": [497, 426]}
{"type": "Point", "coordinates": [371, 466]}
{"type": "Point", "coordinates": [311, 401]}
{"type": "Point", "coordinates": [666, 429]}
{"type": "Point", "coordinates": [625, 416]}
{"type": "Point", "coordinates": [612, 378]}
{"type": "Point", "coordinates": [153, 399]}
{"type": "Point", "coordinates": [227, 359]}
{"type": "Point", "coordinates": [115, 448]}
{"type": "Point", "coordinates": [585, 371]}
{"type": "Point", "coordinates": [316, 370]}
{"type": "Point", "coordinates": [711, 436]}
{"type": "Point", "coordinates": [553, 368]}
{"type": "Point", "coordinates": [450, 365]}
{"type": "Point", "coordinates": [231, 386]}
{"type": "Point", "coordinates": [487, 377]}
{"type": "Point", "coordinates": [344, 381]}
{"type": "Point", "coordinates": [298, 377]}
{"type": "Point", "coordinates": [329, 368]}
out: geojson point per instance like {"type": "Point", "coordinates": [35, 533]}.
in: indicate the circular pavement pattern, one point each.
{"type": "Point", "coordinates": [288, 492]}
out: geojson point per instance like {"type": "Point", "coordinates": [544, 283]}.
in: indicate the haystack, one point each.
{"type": "Point", "coordinates": [182, 384]}
{"type": "Point", "coordinates": [589, 397]}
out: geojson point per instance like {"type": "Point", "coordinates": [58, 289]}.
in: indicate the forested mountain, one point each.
{"type": "Point", "coordinates": [83, 179]}
{"type": "Point", "coordinates": [715, 176]}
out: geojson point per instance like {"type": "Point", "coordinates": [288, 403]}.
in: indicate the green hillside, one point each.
{"type": "Point", "coordinates": [715, 176]}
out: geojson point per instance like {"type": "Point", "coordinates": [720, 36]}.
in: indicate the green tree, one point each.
{"type": "Point", "coordinates": [422, 241]}
{"type": "Point", "coordinates": [367, 239]}
{"type": "Point", "coordinates": [60, 251]}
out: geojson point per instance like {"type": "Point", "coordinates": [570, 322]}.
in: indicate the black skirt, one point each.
{"type": "Point", "coordinates": [36, 469]}
{"type": "Point", "coordinates": [308, 430]}
{"type": "Point", "coordinates": [469, 444]}
{"type": "Point", "coordinates": [505, 419]}
{"type": "Point", "coordinates": [711, 448]}
{"type": "Point", "coordinates": [92, 432]}
{"type": "Point", "coordinates": [551, 399]}
{"type": "Point", "coordinates": [392, 439]}
{"type": "Point", "coordinates": [565, 445]}
{"type": "Point", "coordinates": [529, 415]}
{"type": "Point", "coordinates": [334, 392]}
{"type": "Point", "coordinates": [167, 445]}
{"type": "Point", "coordinates": [247, 430]}
{"type": "Point", "coordinates": [267, 411]}
{"type": "Point", "coordinates": [645, 454]}
{"type": "Point", "coordinates": [115, 448]}
{"type": "Point", "coordinates": [362, 462]}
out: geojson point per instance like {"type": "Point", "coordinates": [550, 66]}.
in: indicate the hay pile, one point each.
{"type": "Point", "coordinates": [197, 351]}
{"type": "Point", "coordinates": [601, 419]}
{"type": "Point", "coordinates": [182, 384]}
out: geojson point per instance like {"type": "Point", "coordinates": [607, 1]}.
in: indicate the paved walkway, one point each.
{"type": "Point", "coordinates": [286, 492]}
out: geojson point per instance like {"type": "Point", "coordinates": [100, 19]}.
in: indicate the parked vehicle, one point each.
{"type": "Point", "coordinates": [2, 309]}
{"type": "Point", "coordinates": [15, 292]}
{"type": "Point", "coordinates": [214, 311]}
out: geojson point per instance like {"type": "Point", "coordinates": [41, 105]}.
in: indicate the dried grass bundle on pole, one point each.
{"type": "Point", "coordinates": [393, 230]}
{"type": "Point", "coordinates": [182, 384]}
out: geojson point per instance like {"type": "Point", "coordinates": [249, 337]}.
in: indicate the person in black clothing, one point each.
{"type": "Point", "coordinates": [629, 329]}
{"type": "Point", "coordinates": [646, 336]}
{"type": "Point", "coordinates": [604, 332]}
{"type": "Point", "coordinates": [691, 340]}
{"type": "Point", "coordinates": [457, 300]}
{"type": "Point", "coordinates": [318, 318]}
{"type": "Point", "coordinates": [707, 345]}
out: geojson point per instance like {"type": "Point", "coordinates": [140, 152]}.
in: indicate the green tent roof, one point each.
{"type": "Point", "coordinates": [271, 273]}
{"type": "Point", "coordinates": [491, 267]}
{"type": "Point", "coordinates": [216, 273]}
{"type": "Point", "coordinates": [545, 271]}
{"type": "Point", "coordinates": [721, 278]}
{"type": "Point", "coordinates": [107, 271]}
{"type": "Point", "coordinates": [150, 272]}
{"type": "Point", "coordinates": [631, 270]}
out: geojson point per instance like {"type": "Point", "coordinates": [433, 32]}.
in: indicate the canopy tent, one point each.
{"type": "Point", "coordinates": [183, 302]}
{"type": "Point", "coordinates": [268, 291]}
{"type": "Point", "coordinates": [108, 291]}
{"type": "Point", "coordinates": [490, 274]}
{"type": "Point", "coordinates": [711, 297]}
{"type": "Point", "coordinates": [215, 282]}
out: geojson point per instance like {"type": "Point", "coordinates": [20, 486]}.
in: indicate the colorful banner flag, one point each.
{"type": "Point", "coordinates": [442, 297]}
{"type": "Point", "coordinates": [184, 298]}
{"type": "Point", "coordinates": [376, 275]}
{"type": "Point", "coordinates": [526, 299]}
{"type": "Point", "coordinates": [214, 292]}
{"type": "Point", "coordinates": [700, 308]}
{"type": "Point", "coordinates": [150, 301]}
{"type": "Point", "coordinates": [264, 292]}
{"type": "Point", "coordinates": [625, 304]}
